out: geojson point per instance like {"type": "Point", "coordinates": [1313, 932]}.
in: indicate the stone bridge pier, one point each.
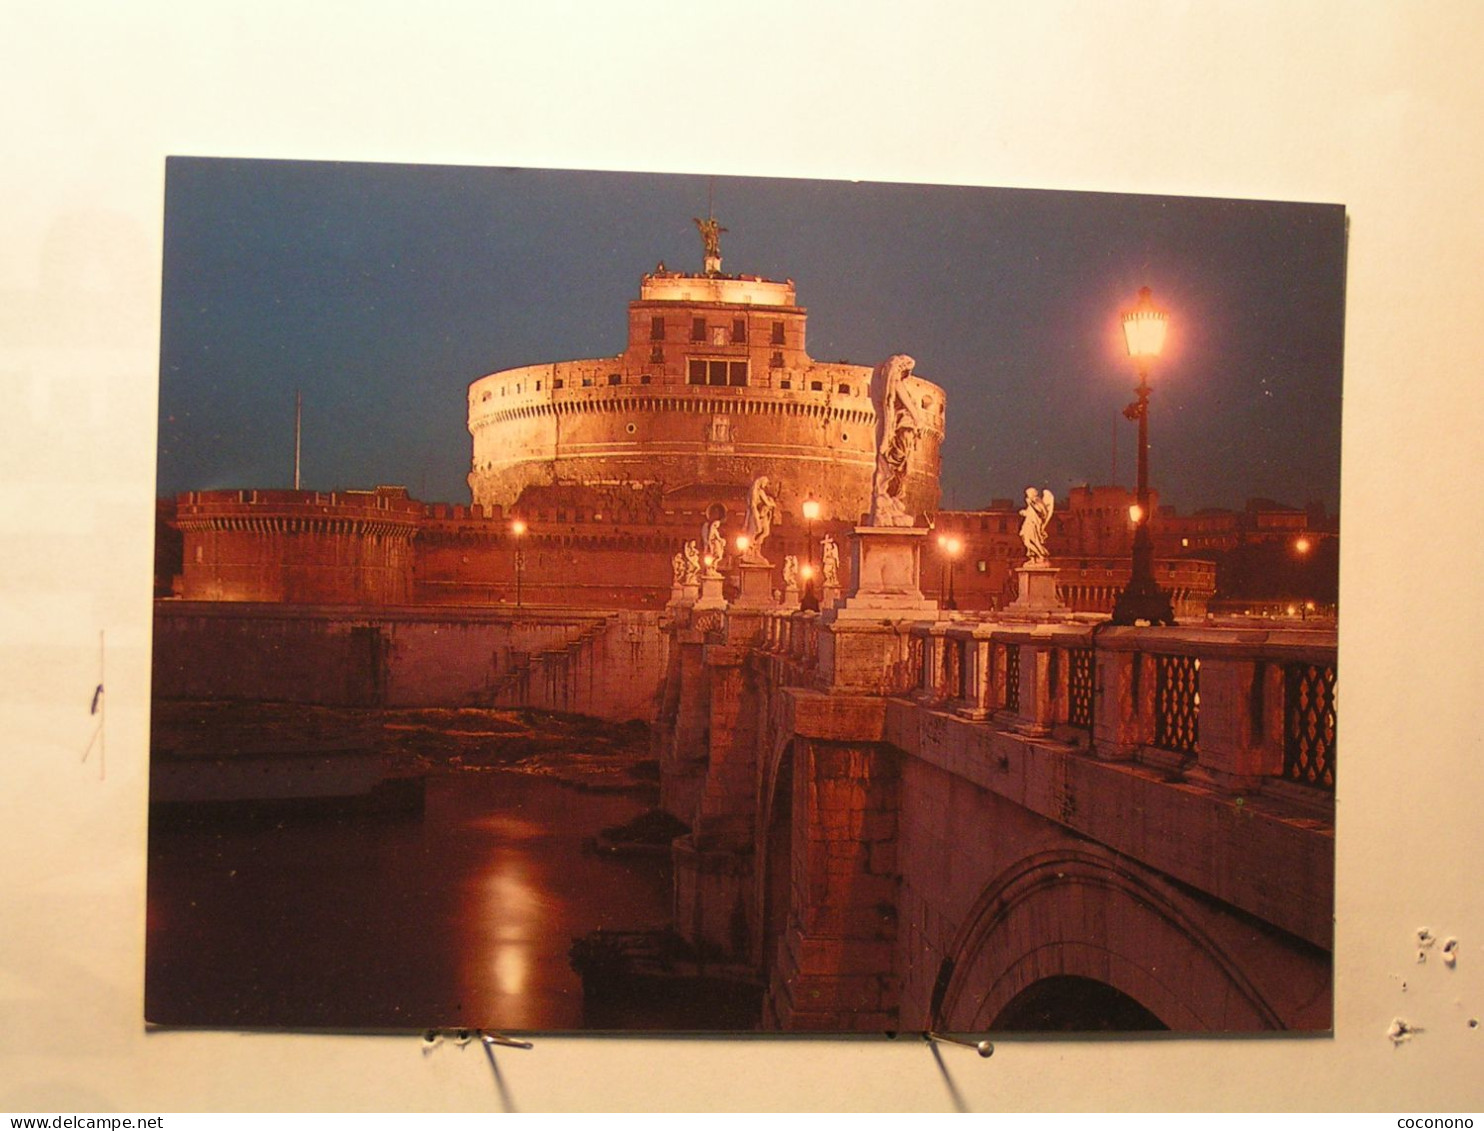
{"type": "Point", "coordinates": [977, 825]}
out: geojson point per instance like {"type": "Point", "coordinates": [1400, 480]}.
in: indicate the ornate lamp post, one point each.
{"type": "Point", "coordinates": [950, 546]}
{"type": "Point", "coordinates": [810, 599]}
{"type": "Point", "coordinates": [1142, 600]}
{"type": "Point", "coordinates": [518, 528]}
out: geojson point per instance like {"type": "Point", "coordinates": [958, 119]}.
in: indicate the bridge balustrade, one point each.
{"type": "Point", "coordinates": [1236, 707]}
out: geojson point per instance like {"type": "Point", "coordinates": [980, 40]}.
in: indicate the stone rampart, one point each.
{"type": "Point", "coordinates": [607, 665]}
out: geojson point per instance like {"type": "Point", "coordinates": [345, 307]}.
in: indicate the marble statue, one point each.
{"type": "Point", "coordinates": [692, 563]}
{"type": "Point", "coordinates": [762, 510]}
{"type": "Point", "coordinates": [716, 544]}
{"type": "Point", "coordinates": [899, 420]}
{"type": "Point", "coordinates": [677, 564]}
{"type": "Point", "coordinates": [1037, 513]}
{"type": "Point", "coordinates": [830, 560]}
{"type": "Point", "coordinates": [790, 572]}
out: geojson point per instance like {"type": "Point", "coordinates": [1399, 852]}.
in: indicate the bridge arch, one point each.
{"type": "Point", "coordinates": [1085, 913]}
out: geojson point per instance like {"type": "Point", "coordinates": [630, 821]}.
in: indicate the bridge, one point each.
{"type": "Point", "coordinates": [966, 824]}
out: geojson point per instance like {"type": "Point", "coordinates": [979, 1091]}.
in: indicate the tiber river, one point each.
{"type": "Point", "coordinates": [460, 917]}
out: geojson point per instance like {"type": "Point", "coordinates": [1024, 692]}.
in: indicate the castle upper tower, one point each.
{"type": "Point", "coordinates": [713, 387]}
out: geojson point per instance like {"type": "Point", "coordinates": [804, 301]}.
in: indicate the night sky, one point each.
{"type": "Point", "coordinates": [382, 291]}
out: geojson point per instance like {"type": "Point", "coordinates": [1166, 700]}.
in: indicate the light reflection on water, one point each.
{"type": "Point", "coordinates": [461, 918]}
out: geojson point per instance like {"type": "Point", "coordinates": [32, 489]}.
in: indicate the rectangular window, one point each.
{"type": "Point", "coordinates": [776, 361]}
{"type": "Point", "coordinates": [657, 355]}
{"type": "Point", "coordinates": [777, 333]}
{"type": "Point", "coordinates": [739, 331]}
{"type": "Point", "coordinates": [698, 329]}
{"type": "Point", "coordinates": [697, 372]}
{"type": "Point", "coordinates": [558, 383]}
{"type": "Point", "coordinates": [738, 372]}
{"type": "Point", "coordinates": [657, 328]}
{"type": "Point", "coordinates": [615, 378]}
{"type": "Point", "coordinates": [717, 372]}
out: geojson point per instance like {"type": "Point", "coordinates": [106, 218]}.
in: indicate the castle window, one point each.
{"type": "Point", "coordinates": [737, 372]}
{"type": "Point", "coordinates": [615, 378]}
{"type": "Point", "coordinates": [657, 355]}
{"type": "Point", "coordinates": [587, 382]}
{"type": "Point", "coordinates": [777, 333]}
{"type": "Point", "coordinates": [698, 329]}
{"type": "Point", "coordinates": [739, 330]}
{"type": "Point", "coordinates": [785, 384]}
{"type": "Point", "coordinates": [558, 383]}
{"type": "Point", "coordinates": [817, 386]}
{"type": "Point", "coordinates": [538, 386]}
{"type": "Point", "coordinates": [697, 372]}
{"type": "Point", "coordinates": [644, 379]}
{"type": "Point", "coordinates": [844, 389]}
{"type": "Point", "coordinates": [657, 328]}
{"type": "Point", "coordinates": [776, 361]}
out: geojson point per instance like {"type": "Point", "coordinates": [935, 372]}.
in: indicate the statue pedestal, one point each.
{"type": "Point", "coordinates": [755, 585]}
{"type": "Point", "coordinates": [790, 598]}
{"type": "Point", "coordinates": [887, 575]}
{"type": "Point", "coordinates": [710, 597]}
{"type": "Point", "coordinates": [1038, 599]}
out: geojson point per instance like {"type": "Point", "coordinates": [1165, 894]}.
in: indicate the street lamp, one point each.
{"type": "Point", "coordinates": [810, 600]}
{"type": "Point", "coordinates": [518, 528]}
{"type": "Point", "coordinates": [953, 548]}
{"type": "Point", "coordinates": [1142, 600]}
{"type": "Point", "coordinates": [950, 546]}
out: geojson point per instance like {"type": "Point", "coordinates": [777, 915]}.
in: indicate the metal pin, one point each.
{"type": "Point", "coordinates": [504, 1041]}
{"type": "Point", "coordinates": [983, 1048]}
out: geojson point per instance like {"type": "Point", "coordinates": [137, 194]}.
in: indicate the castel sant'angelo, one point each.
{"type": "Point", "coordinates": [589, 477]}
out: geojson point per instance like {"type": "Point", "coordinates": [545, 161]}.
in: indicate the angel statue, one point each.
{"type": "Point", "coordinates": [790, 572]}
{"type": "Point", "coordinates": [692, 563]}
{"type": "Point", "coordinates": [1037, 513]}
{"type": "Point", "coordinates": [677, 564]}
{"type": "Point", "coordinates": [899, 420]}
{"type": "Point", "coordinates": [716, 545]}
{"type": "Point", "coordinates": [711, 230]}
{"type": "Point", "coordinates": [762, 509]}
{"type": "Point", "coordinates": [830, 555]}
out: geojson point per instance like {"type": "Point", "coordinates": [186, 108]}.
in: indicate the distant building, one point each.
{"type": "Point", "coordinates": [713, 388]}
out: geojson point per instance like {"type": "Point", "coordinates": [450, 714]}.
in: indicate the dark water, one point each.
{"type": "Point", "coordinates": [461, 917]}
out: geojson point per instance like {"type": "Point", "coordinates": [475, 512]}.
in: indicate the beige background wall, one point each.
{"type": "Point", "coordinates": [1374, 105]}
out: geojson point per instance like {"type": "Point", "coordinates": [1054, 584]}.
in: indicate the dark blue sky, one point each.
{"type": "Point", "coordinates": [382, 291]}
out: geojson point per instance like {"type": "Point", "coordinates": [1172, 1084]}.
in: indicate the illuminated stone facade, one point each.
{"type": "Point", "coordinates": [714, 388]}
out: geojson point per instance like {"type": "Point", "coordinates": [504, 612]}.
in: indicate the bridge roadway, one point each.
{"type": "Point", "coordinates": [969, 825]}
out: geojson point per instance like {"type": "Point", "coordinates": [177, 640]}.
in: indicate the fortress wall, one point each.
{"type": "Point", "coordinates": [609, 666]}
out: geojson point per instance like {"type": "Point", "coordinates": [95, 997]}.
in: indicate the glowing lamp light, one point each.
{"type": "Point", "coordinates": [1135, 513]}
{"type": "Point", "coordinates": [1144, 327]}
{"type": "Point", "coordinates": [811, 509]}
{"type": "Point", "coordinates": [517, 528]}
{"type": "Point", "coordinates": [954, 546]}
{"type": "Point", "coordinates": [806, 572]}
{"type": "Point", "coordinates": [743, 542]}
{"type": "Point", "coordinates": [1302, 545]}
{"type": "Point", "coordinates": [709, 561]}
